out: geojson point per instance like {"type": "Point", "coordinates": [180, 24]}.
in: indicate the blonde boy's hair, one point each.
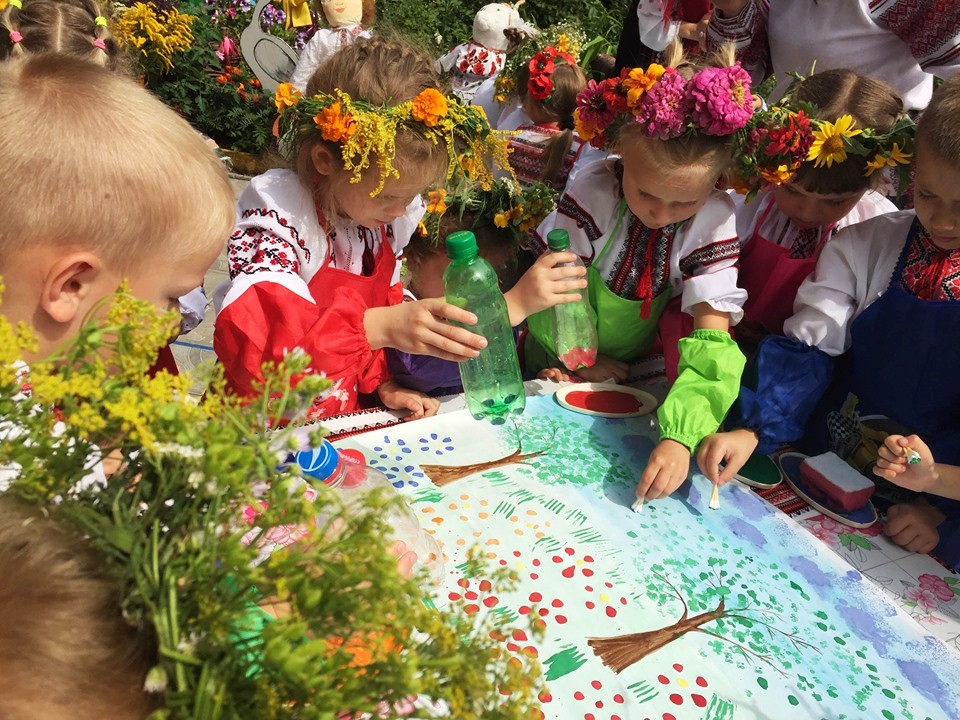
{"type": "Point", "coordinates": [379, 71]}
{"type": "Point", "coordinates": [67, 653]}
{"type": "Point", "coordinates": [90, 160]}
{"type": "Point", "coordinates": [937, 128]}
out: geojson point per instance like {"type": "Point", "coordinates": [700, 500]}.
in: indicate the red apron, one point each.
{"type": "Point", "coordinates": [771, 277]}
{"type": "Point", "coordinates": [377, 291]}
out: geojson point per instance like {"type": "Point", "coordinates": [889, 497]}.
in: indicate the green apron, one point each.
{"type": "Point", "coordinates": [621, 333]}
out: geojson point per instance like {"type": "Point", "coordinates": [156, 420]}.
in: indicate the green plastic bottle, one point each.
{"type": "Point", "coordinates": [491, 381]}
{"type": "Point", "coordinates": [574, 325]}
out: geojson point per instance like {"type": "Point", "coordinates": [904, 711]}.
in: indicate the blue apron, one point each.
{"type": "Point", "coordinates": [904, 363]}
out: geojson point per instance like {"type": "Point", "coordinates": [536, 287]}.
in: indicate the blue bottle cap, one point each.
{"type": "Point", "coordinates": [320, 463]}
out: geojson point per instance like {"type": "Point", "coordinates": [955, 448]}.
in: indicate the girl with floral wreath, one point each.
{"type": "Point", "coordinates": [653, 227]}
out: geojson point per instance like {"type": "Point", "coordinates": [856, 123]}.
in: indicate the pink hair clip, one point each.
{"type": "Point", "coordinates": [99, 43]}
{"type": "Point", "coordinates": [15, 37]}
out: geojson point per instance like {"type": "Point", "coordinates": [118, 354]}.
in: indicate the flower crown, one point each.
{"type": "Point", "coordinates": [779, 139]}
{"type": "Point", "coordinates": [714, 101]}
{"type": "Point", "coordinates": [540, 85]}
{"type": "Point", "coordinates": [366, 131]}
{"type": "Point", "coordinates": [504, 205]}
{"type": "Point", "coordinates": [562, 37]}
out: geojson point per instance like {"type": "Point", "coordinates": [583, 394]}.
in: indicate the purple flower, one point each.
{"type": "Point", "coordinates": [719, 100]}
{"type": "Point", "coordinates": [593, 107]}
{"type": "Point", "coordinates": [662, 109]}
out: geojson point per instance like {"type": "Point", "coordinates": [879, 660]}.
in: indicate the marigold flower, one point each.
{"type": "Point", "coordinates": [828, 141]}
{"type": "Point", "coordinates": [436, 203]}
{"type": "Point", "coordinates": [776, 175]}
{"type": "Point", "coordinates": [286, 96]}
{"type": "Point", "coordinates": [429, 106]}
{"type": "Point", "coordinates": [638, 81]}
{"type": "Point", "coordinates": [333, 124]}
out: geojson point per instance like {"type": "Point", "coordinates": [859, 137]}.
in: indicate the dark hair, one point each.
{"type": "Point", "coordinates": [568, 82]}
{"type": "Point", "coordinates": [66, 27]}
{"type": "Point", "coordinates": [870, 102]}
{"type": "Point", "coordinates": [937, 127]}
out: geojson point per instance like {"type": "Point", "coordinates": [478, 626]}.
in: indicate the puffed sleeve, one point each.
{"type": "Point", "coordinates": [709, 252]}
{"type": "Point", "coordinates": [656, 31]}
{"type": "Point", "coordinates": [707, 383]}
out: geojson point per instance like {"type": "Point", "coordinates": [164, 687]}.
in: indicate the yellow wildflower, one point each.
{"type": "Point", "coordinates": [896, 157]}
{"type": "Point", "coordinates": [157, 35]}
{"type": "Point", "coordinates": [778, 175]}
{"type": "Point", "coordinates": [828, 141]}
{"type": "Point", "coordinates": [421, 231]}
{"type": "Point", "coordinates": [429, 106]}
{"type": "Point", "coordinates": [563, 43]}
{"type": "Point", "coordinates": [501, 220]}
{"type": "Point", "coordinates": [435, 202]}
{"type": "Point", "coordinates": [287, 96]}
{"type": "Point", "coordinates": [334, 124]}
{"type": "Point", "coordinates": [585, 130]}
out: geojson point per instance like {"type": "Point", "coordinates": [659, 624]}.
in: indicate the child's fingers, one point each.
{"type": "Point", "coordinates": [898, 519]}
{"type": "Point", "coordinates": [430, 406]}
{"type": "Point", "coordinates": [445, 311]}
{"type": "Point", "coordinates": [709, 458]}
{"type": "Point", "coordinates": [890, 454]}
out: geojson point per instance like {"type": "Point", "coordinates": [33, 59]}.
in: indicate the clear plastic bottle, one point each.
{"type": "Point", "coordinates": [353, 478]}
{"type": "Point", "coordinates": [573, 325]}
{"type": "Point", "coordinates": [492, 382]}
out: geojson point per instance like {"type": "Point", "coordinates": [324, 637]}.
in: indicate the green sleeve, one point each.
{"type": "Point", "coordinates": [708, 381]}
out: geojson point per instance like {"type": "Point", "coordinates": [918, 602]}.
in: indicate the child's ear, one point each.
{"type": "Point", "coordinates": [323, 160]}
{"type": "Point", "coordinates": [69, 285]}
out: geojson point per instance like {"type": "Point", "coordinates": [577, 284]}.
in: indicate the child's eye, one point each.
{"type": "Point", "coordinates": [925, 195]}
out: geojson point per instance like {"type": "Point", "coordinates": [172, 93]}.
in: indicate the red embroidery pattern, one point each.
{"type": "Point", "coordinates": [930, 273]}
{"type": "Point", "coordinates": [527, 157]}
{"type": "Point", "coordinates": [929, 29]}
{"type": "Point", "coordinates": [569, 207]}
{"type": "Point", "coordinates": [631, 266]}
{"type": "Point", "coordinates": [694, 263]}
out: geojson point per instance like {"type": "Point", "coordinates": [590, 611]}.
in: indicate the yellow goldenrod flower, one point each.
{"type": "Point", "coordinates": [828, 141]}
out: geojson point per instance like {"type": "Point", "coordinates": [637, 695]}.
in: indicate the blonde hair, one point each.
{"type": "Point", "coordinates": [569, 81]}
{"type": "Point", "coordinates": [91, 160]}
{"type": "Point", "coordinates": [68, 27]}
{"type": "Point", "coordinates": [937, 130]}
{"type": "Point", "coordinates": [67, 653]}
{"type": "Point", "coordinates": [710, 152]}
{"type": "Point", "coordinates": [381, 72]}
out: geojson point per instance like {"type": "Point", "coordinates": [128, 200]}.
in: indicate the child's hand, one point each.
{"type": "Point", "coordinates": [913, 526]}
{"type": "Point", "coordinates": [734, 448]}
{"type": "Point", "coordinates": [406, 559]}
{"type": "Point", "coordinates": [397, 397]}
{"type": "Point", "coordinates": [605, 368]}
{"type": "Point", "coordinates": [666, 470]}
{"type": "Point", "coordinates": [554, 374]}
{"type": "Point", "coordinates": [892, 464]}
{"type": "Point", "coordinates": [545, 285]}
{"type": "Point", "coordinates": [422, 328]}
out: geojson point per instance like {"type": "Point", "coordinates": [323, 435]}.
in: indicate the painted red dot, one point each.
{"type": "Point", "coordinates": [463, 582]}
{"type": "Point", "coordinates": [519, 635]}
{"type": "Point", "coordinates": [557, 603]}
{"type": "Point", "coordinates": [490, 601]}
{"type": "Point", "coordinates": [535, 597]}
{"type": "Point", "coordinates": [618, 698]}
{"type": "Point", "coordinates": [599, 704]}
{"type": "Point", "coordinates": [568, 550]}
{"type": "Point", "coordinates": [513, 647]}
{"type": "Point", "coordinates": [678, 667]}
{"type": "Point", "coordinates": [596, 684]}
{"type": "Point", "coordinates": [587, 572]}
{"type": "Point", "coordinates": [485, 586]}
{"type": "Point", "coordinates": [536, 562]}
{"type": "Point", "coordinates": [454, 596]}
{"type": "Point", "coordinates": [590, 604]}
{"type": "Point", "coordinates": [560, 619]}
{"type": "Point", "coordinates": [516, 553]}
{"type": "Point", "coordinates": [503, 562]}
{"type": "Point", "coordinates": [544, 612]}
{"type": "Point", "coordinates": [623, 601]}
{"type": "Point", "coordinates": [557, 559]}
{"type": "Point", "coordinates": [609, 585]}
{"type": "Point", "coordinates": [614, 717]}
{"type": "Point", "coordinates": [588, 588]}
{"type": "Point", "coordinates": [668, 716]}
{"type": "Point", "coordinates": [471, 609]}
{"type": "Point", "coordinates": [676, 699]}
{"type": "Point", "coordinates": [701, 681]}
{"type": "Point", "coordinates": [470, 595]}
{"type": "Point", "coordinates": [578, 695]}
{"type": "Point", "coordinates": [588, 716]}
{"type": "Point", "coordinates": [524, 609]}
{"type": "Point", "coordinates": [544, 696]}
{"type": "Point", "coordinates": [568, 572]}
{"type": "Point", "coordinates": [611, 611]}
{"type": "Point", "coordinates": [588, 558]}
{"type": "Point", "coordinates": [663, 679]}
{"type": "Point", "coordinates": [699, 700]}
{"type": "Point", "coordinates": [534, 576]}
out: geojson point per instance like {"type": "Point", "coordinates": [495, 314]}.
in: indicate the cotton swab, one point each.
{"type": "Point", "coordinates": [637, 505]}
{"type": "Point", "coordinates": [715, 498]}
{"type": "Point", "coordinates": [913, 457]}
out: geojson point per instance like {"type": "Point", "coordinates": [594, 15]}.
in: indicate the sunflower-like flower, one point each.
{"type": "Point", "coordinates": [829, 145]}
{"type": "Point", "coordinates": [429, 106]}
{"type": "Point", "coordinates": [894, 158]}
{"type": "Point", "coordinates": [334, 124]}
{"type": "Point", "coordinates": [286, 96]}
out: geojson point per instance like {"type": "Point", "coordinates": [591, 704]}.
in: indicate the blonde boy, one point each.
{"type": "Point", "coordinates": [101, 183]}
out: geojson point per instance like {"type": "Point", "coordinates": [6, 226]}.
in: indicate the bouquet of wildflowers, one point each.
{"type": "Point", "coordinates": [352, 636]}
{"type": "Point", "coordinates": [566, 38]}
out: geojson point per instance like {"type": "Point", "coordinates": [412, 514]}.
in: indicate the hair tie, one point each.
{"type": "Point", "coordinates": [566, 122]}
{"type": "Point", "coordinates": [17, 4]}
{"type": "Point", "coordinates": [15, 37]}
{"type": "Point", "coordinates": [100, 20]}
{"type": "Point", "coordinates": [99, 43]}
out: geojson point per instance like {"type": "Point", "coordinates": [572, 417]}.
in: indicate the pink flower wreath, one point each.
{"type": "Point", "coordinates": [715, 101]}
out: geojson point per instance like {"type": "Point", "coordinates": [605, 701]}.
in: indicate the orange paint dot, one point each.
{"type": "Point", "coordinates": [452, 506]}
{"type": "Point", "coordinates": [437, 520]}
{"type": "Point", "coordinates": [514, 518]}
{"type": "Point", "coordinates": [427, 510]}
{"type": "Point", "coordinates": [483, 515]}
{"type": "Point", "coordinates": [464, 518]}
{"type": "Point", "coordinates": [518, 531]}
{"type": "Point", "coordinates": [531, 512]}
{"type": "Point", "coordinates": [464, 497]}
{"type": "Point", "coordinates": [461, 542]}
{"type": "Point", "coordinates": [493, 541]}
{"type": "Point", "coordinates": [492, 555]}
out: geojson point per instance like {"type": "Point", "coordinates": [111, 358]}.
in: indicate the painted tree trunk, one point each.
{"type": "Point", "coordinates": [445, 474]}
{"type": "Point", "coordinates": [621, 651]}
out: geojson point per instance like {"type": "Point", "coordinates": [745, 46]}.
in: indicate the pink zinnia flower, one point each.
{"type": "Point", "coordinates": [719, 99]}
{"type": "Point", "coordinates": [661, 110]}
{"type": "Point", "coordinates": [937, 586]}
{"type": "Point", "coordinates": [593, 108]}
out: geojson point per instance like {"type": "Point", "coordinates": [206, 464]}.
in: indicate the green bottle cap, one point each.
{"type": "Point", "coordinates": [558, 240]}
{"type": "Point", "coordinates": [461, 245]}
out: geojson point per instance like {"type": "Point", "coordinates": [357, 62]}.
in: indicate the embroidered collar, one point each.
{"type": "Point", "coordinates": [930, 272]}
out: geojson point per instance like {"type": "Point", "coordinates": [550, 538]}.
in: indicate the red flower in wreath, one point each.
{"type": "Point", "coordinates": [540, 86]}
